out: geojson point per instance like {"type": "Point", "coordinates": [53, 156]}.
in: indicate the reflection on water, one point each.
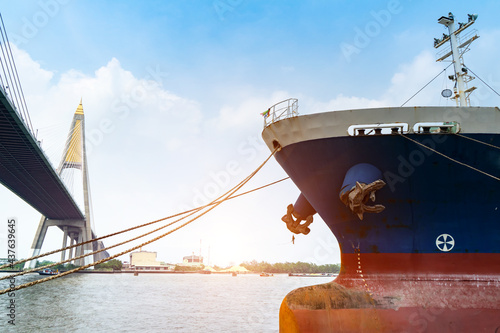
{"type": "Point", "coordinates": [150, 302]}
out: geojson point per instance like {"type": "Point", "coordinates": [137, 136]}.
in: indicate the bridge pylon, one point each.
{"type": "Point", "coordinates": [77, 230]}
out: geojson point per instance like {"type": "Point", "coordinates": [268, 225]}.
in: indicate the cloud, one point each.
{"type": "Point", "coordinates": [341, 102]}
{"type": "Point", "coordinates": [246, 114]}
{"type": "Point", "coordinates": [32, 76]}
{"type": "Point", "coordinates": [112, 96]}
{"type": "Point", "coordinates": [411, 77]}
{"type": "Point", "coordinates": [405, 82]}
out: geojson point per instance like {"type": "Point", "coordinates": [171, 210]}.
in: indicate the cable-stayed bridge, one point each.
{"type": "Point", "coordinates": [26, 170]}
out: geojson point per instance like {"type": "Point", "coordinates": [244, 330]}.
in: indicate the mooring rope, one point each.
{"type": "Point", "coordinates": [444, 70]}
{"type": "Point", "coordinates": [478, 141]}
{"type": "Point", "coordinates": [94, 252]}
{"type": "Point", "coordinates": [129, 229]}
{"type": "Point", "coordinates": [483, 81]}
{"type": "Point", "coordinates": [214, 204]}
{"type": "Point", "coordinates": [451, 159]}
{"type": "Point", "coordinates": [192, 212]}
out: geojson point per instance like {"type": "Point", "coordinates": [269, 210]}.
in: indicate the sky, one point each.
{"type": "Point", "coordinates": [173, 90]}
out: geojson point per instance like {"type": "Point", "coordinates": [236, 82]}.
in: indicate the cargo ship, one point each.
{"type": "Point", "coordinates": [412, 195]}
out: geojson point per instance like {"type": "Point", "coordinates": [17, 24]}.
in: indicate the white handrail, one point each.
{"type": "Point", "coordinates": [281, 110]}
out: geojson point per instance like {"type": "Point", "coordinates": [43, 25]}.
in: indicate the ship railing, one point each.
{"type": "Point", "coordinates": [281, 110]}
{"type": "Point", "coordinates": [463, 43]}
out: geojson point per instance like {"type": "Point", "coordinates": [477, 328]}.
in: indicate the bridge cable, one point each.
{"type": "Point", "coordinates": [70, 154]}
{"type": "Point", "coordinates": [451, 159]}
{"type": "Point", "coordinates": [16, 82]}
{"type": "Point", "coordinates": [215, 203]}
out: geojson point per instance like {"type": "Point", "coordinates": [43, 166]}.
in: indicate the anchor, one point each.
{"type": "Point", "coordinates": [360, 184]}
{"type": "Point", "coordinates": [357, 197]}
{"type": "Point", "coordinates": [294, 221]}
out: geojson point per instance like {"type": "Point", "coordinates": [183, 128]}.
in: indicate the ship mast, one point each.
{"type": "Point", "coordinates": [457, 49]}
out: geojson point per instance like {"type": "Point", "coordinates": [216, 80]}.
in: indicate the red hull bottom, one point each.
{"type": "Point", "coordinates": [421, 306]}
{"type": "Point", "coordinates": [407, 320]}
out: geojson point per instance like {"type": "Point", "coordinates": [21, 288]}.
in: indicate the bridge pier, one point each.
{"type": "Point", "coordinates": [65, 240]}
{"type": "Point", "coordinates": [74, 229]}
{"type": "Point", "coordinates": [71, 243]}
{"type": "Point", "coordinates": [37, 242]}
{"type": "Point", "coordinates": [79, 251]}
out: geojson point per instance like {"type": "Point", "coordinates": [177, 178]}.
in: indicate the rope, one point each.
{"type": "Point", "coordinates": [130, 229]}
{"type": "Point", "coordinates": [93, 252]}
{"type": "Point", "coordinates": [481, 142]}
{"type": "Point", "coordinates": [483, 81]}
{"type": "Point", "coordinates": [451, 159]}
{"type": "Point", "coordinates": [426, 85]}
{"type": "Point", "coordinates": [214, 205]}
{"type": "Point", "coordinates": [104, 249]}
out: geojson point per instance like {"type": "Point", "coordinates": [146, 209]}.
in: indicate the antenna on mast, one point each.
{"type": "Point", "coordinates": [458, 46]}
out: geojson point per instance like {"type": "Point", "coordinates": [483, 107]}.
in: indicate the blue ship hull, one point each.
{"type": "Point", "coordinates": [427, 195]}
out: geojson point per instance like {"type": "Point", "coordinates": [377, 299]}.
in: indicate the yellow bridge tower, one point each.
{"type": "Point", "coordinates": [74, 156]}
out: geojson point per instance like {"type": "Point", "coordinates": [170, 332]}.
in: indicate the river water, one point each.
{"type": "Point", "coordinates": [150, 303]}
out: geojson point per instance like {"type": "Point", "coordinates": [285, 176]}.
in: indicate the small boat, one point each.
{"type": "Point", "coordinates": [266, 274]}
{"type": "Point", "coordinates": [48, 271]}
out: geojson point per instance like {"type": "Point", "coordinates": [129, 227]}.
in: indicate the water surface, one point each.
{"type": "Point", "coordinates": [151, 302]}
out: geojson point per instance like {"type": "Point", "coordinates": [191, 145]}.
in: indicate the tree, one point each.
{"type": "Point", "coordinates": [43, 263]}
{"type": "Point", "coordinates": [65, 267]}
{"type": "Point", "coordinates": [181, 268]}
{"type": "Point", "coordinates": [288, 267]}
{"type": "Point", "coordinates": [113, 264]}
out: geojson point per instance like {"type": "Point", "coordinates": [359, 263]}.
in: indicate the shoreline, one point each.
{"type": "Point", "coordinates": [184, 272]}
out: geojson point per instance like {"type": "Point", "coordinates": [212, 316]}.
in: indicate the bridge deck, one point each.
{"type": "Point", "coordinates": [25, 170]}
